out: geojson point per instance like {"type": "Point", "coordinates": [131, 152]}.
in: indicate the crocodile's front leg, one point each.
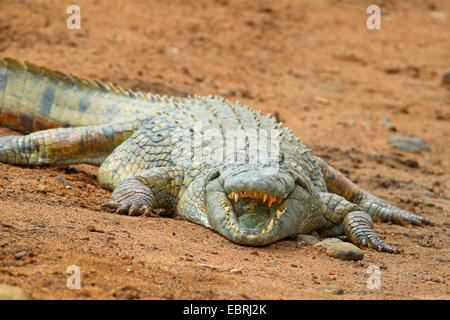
{"type": "Point", "coordinates": [141, 172]}
{"type": "Point", "coordinates": [339, 184]}
{"type": "Point", "coordinates": [343, 217]}
{"type": "Point", "coordinates": [155, 188]}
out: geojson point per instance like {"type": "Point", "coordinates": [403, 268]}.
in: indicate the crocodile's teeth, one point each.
{"type": "Point", "coordinates": [236, 195]}
{"type": "Point", "coordinates": [279, 214]}
{"type": "Point", "coordinates": [270, 226]}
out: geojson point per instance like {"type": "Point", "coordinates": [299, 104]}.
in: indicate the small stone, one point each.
{"type": "Point", "coordinates": [446, 78]}
{"type": "Point", "coordinates": [327, 242]}
{"type": "Point", "coordinates": [410, 144]}
{"type": "Point", "coordinates": [439, 15]}
{"type": "Point", "coordinates": [388, 124]}
{"type": "Point", "coordinates": [209, 266]}
{"type": "Point", "coordinates": [332, 289]}
{"type": "Point", "coordinates": [236, 271]}
{"type": "Point", "coordinates": [8, 292]}
{"type": "Point", "coordinates": [307, 239]}
{"type": "Point", "coordinates": [63, 180]}
{"type": "Point", "coordinates": [321, 100]}
{"type": "Point", "coordinates": [332, 87]}
{"type": "Point", "coordinates": [345, 251]}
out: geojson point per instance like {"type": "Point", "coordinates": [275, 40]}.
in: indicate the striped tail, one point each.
{"type": "Point", "coordinates": [34, 98]}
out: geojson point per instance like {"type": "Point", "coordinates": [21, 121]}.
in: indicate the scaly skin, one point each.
{"type": "Point", "coordinates": [143, 144]}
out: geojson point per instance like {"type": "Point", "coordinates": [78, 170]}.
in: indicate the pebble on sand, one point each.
{"type": "Point", "coordinates": [410, 144]}
{"type": "Point", "coordinates": [343, 250]}
{"type": "Point", "coordinates": [307, 239]}
{"type": "Point", "coordinates": [327, 242]}
{"type": "Point", "coordinates": [237, 271]}
{"type": "Point", "coordinates": [388, 124]}
{"type": "Point", "coordinates": [446, 78]}
{"type": "Point", "coordinates": [332, 289]}
{"type": "Point", "coordinates": [8, 292]}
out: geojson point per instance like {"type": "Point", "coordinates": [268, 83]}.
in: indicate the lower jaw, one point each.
{"type": "Point", "coordinates": [256, 236]}
{"type": "Point", "coordinates": [253, 239]}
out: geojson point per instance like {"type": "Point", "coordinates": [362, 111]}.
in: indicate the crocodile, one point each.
{"type": "Point", "coordinates": [169, 156]}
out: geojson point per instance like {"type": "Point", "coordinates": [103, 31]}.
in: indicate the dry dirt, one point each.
{"type": "Point", "coordinates": [315, 63]}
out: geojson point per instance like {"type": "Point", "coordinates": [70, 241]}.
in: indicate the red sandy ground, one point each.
{"type": "Point", "coordinates": [315, 63]}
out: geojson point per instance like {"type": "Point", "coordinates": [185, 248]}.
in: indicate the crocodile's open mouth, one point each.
{"type": "Point", "coordinates": [253, 213]}
{"type": "Point", "coordinates": [254, 206]}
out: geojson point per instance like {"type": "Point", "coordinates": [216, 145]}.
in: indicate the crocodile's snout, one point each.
{"type": "Point", "coordinates": [269, 182]}
{"type": "Point", "coordinates": [254, 206]}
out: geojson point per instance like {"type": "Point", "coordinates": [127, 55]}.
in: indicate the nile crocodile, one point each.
{"type": "Point", "coordinates": [168, 155]}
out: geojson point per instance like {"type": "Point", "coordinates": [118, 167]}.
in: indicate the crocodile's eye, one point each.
{"type": "Point", "coordinates": [281, 161]}
{"type": "Point", "coordinates": [213, 175]}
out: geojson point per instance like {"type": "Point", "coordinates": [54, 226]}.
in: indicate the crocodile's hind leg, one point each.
{"type": "Point", "coordinates": [339, 184]}
{"type": "Point", "coordinates": [343, 217]}
{"type": "Point", "coordinates": [65, 145]}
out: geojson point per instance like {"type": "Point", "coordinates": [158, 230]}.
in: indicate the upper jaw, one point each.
{"type": "Point", "coordinates": [260, 195]}
{"type": "Point", "coordinates": [255, 181]}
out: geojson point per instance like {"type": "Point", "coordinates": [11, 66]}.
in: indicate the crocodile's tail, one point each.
{"type": "Point", "coordinates": [35, 98]}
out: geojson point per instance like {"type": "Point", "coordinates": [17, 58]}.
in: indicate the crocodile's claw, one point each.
{"type": "Point", "coordinates": [128, 207]}
{"type": "Point", "coordinates": [358, 226]}
{"type": "Point", "coordinates": [130, 197]}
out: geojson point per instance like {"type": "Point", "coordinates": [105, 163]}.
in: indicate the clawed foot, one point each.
{"type": "Point", "coordinates": [358, 226]}
{"type": "Point", "coordinates": [130, 197]}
